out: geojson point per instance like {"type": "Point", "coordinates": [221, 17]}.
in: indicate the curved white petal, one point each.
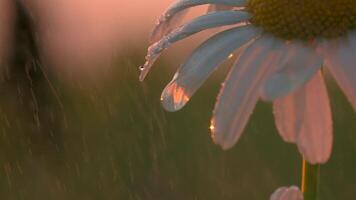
{"type": "Point", "coordinates": [278, 193]}
{"type": "Point", "coordinates": [300, 64]}
{"type": "Point", "coordinates": [284, 193]}
{"type": "Point", "coordinates": [316, 135]}
{"type": "Point", "coordinates": [214, 8]}
{"type": "Point", "coordinates": [164, 24]}
{"type": "Point", "coordinates": [305, 117]}
{"type": "Point", "coordinates": [240, 92]}
{"type": "Point", "coordinates": [203, 61]}
{"type": "Point", "coordinates": [207, 21]}
{"type": "Point", "coordinates": [340, 58]}
{"type": "Point", "coordinates": [287, 117]}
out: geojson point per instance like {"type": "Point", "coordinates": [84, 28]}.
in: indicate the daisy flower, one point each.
{"type": "Point", "coordinates": [282, 46]}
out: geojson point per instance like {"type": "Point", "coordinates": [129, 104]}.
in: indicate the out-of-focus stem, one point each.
{"type": "Point", "coordinates": [310, 181]}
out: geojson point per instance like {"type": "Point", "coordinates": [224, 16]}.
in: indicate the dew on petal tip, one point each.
{"type": "Point", "coordinates": [174, 97]}
{"type": "Point", "coordinates": [213, 129]}
{"type": "Point", "coordinates": [153, 53]}
{"type": "Point", "coordinates": [217, 137]}
{"type": "Point", "coordinates": [144, 69]}
{"type": "Point", "coordinates": [167, 15]}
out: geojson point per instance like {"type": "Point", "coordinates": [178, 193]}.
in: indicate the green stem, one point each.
{"type": "Point", "coordinates": [310, 181]}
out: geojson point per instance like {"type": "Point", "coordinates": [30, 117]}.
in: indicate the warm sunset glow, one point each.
{"type": "Point", "coordinates": [80, 36]}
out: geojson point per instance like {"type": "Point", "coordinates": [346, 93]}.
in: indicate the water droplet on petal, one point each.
{"type": "Point", "coordinates": [153, 52]}
{"type": "Point", "coordinates": [212, 129]}
{"type": "Point", "coordinates": [174, 97]}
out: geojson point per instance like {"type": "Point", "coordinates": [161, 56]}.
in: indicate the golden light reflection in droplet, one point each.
{"type": "Point", "coordinates": [174, 97]}
{"type": "Point", "coordinates": [212, 129]}
{"type": "Point", "coordinates": [179, 95]}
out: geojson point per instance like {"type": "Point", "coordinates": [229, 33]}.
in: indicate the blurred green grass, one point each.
{"type": "Point", "coordinates": [114, 141]}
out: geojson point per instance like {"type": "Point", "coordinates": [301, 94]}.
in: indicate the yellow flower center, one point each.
{"type": "Point", "coordinates": [304, 19]}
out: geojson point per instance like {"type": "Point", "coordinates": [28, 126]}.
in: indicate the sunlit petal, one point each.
{"type": "Point", "coordinates": [300, 64]}
{"type": "Point", "coordinates": [214, 8]}
{"type": "Point", "coordinates": [340, 61]}
{"type": "Point", "coordinates": [166, 21]}
{"type": "Point", "coordinates": [207, 21]}
{"type": "Point", "coordinates": [287, 117]}
{"type": "Point", "coordinates": [203, 61]}
{"type": "Point", "coordinates": [305, 117]}
{"type": "Point", "coordinates": [163, 27]}
{"type": "Point", "coordinates": [239, 94]}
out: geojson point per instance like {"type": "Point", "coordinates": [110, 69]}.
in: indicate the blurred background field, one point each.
{"type": "Point", "coordinates": [104, 135]}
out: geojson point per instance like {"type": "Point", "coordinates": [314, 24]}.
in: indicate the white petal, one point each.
{"type": "Point", "coordinates": [164, 24]}
{"type": "Point", "coordinates": [305, 117]}
{"type": "Point", "coordinates": [203, 61]}
{"type": "Point", "coordinates": [316, 136]}
{"type": "Point", "coordinates": [340, 61]}
{"type": "Point", "coordinates": [240, 92]}
{"type": "Point", "coordinates": [287, 117]}
{"type": "Point", "coordinates": [283, 193]}
{"type": "Point", "coordinates": [300, 64]}
{"type": "Point", "coordinates": [207, 21]}
{"type": "Point", "coordinates": [278, 193]}
{"type": "Point", "coordinates": [214, 8]}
